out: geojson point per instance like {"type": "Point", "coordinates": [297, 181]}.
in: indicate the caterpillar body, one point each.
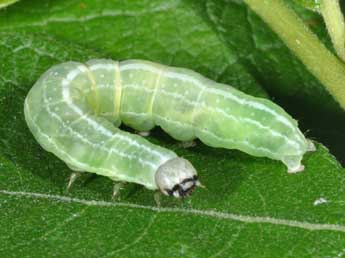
{"type": "Point", "coordinates": [74, 111]}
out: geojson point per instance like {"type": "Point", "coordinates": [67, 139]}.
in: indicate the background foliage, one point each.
{"type": "Point", "coordinates": [251, 207]}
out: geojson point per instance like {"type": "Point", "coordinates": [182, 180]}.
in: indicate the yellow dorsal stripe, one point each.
{"type": "Point", "coordinates": [118, 90]}
{"type": "Point", "coordinates": [94, 89]}
{"type": "Point", "coordinates": [155, 89]}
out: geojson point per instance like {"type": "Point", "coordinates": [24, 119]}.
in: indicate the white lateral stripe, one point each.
{"type": "Point", "coordinates": [140, 67]}
{"type": "Point", "coordinates": [184, 126]}
{"type": "Point", "coordinates": [108, 66]}
{"type": "Point", "coordinates": [203, 213]}
{"type": "Point", "coordinates": [80, 164]}
{"type": "Point", "coordinates": [183, 99]}
{"type": "Point", "coordinates": [224, 94]}
{"type": "Point", "coordinates": [235, 142]}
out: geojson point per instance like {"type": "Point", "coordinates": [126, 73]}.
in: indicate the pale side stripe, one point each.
{"type": "Point", "coordinates": [137, 114]}
{"type": "Point", "coordinates": [203, 213]}
{"type": "Point", "coordinates": [99, 86]}
{"type": "Point", "coordinates": [51, 103]}
{"type": "Point", "coordinates": [86, 166]}
{"type": "Point", "coordinates": [178, 123]}
{"type": "Point", "coordinates": [140, 67]}
{"type": "Point", "coordinates": [184, 125]}
{"type": "Point", "coordinates": [228, 95]}
{"type": "Point", "coordinates": [251, 146]}
{"type": "Point", "coordinates": [253, 122]}
{"type": "Point", "coordinates": [95, 125]}
{"type": "Point", "coordinates": [98, 66]}
{"type": "Point", "coordinates": [136, 86]}
{"type": "Point", "coordinates": [76, 121]}
{"type": "Point", "coordinates": [219, 111]}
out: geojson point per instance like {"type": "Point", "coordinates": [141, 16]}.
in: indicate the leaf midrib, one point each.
{"type": "Point", "coordinates": [204, 213]}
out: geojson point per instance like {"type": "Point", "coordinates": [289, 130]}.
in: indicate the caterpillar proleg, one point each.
{"type": "Point", "coordinates": [74, 111]}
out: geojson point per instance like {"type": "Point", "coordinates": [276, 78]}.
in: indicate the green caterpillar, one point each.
{"type": "Point", "coordinates": [74, 110]}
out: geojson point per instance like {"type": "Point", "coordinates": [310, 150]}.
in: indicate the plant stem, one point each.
{"type": "Point", "coordinates": [326, 67]}
{"type": "Point", "coordinates": [334, 19]}
{"type": "Point", "coordinates": [4, 3]}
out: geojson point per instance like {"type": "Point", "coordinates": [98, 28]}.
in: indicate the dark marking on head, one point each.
{"type": "Point", "coordinates": [184, 189]}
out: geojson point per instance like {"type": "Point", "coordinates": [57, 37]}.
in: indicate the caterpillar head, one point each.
{"type": "Point", "coordinates": [177, 177]}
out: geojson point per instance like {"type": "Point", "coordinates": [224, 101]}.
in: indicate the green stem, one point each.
{"type": "Point", "coordinates": [326, 67]}
{"type": "Point", "coordinates": [4, 3]}
{"type": "Point", "coordinates": [334, 19]}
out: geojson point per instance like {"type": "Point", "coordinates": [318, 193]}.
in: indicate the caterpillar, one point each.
{"type": "Point", "coordinates": [74, 111]}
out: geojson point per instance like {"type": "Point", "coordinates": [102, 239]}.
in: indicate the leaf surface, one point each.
{"type": "Point", "coordinates": [251, 207]}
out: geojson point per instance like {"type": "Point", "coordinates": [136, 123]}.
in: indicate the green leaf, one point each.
{"type": "Point", "coordinates": [251, 206]}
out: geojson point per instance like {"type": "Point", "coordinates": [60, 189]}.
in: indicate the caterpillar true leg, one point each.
{"type": "Point", "coordinates": [73, 177]}
{"type": "Point", "coordinates": [116, 189]}
{"type": "Point", "coordinates": [157, 197]}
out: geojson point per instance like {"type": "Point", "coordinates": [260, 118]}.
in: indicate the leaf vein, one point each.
{"type": "Point", "coordinates": [136, 240]}
{"type": "Point", "coordinates": [205, 213]}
